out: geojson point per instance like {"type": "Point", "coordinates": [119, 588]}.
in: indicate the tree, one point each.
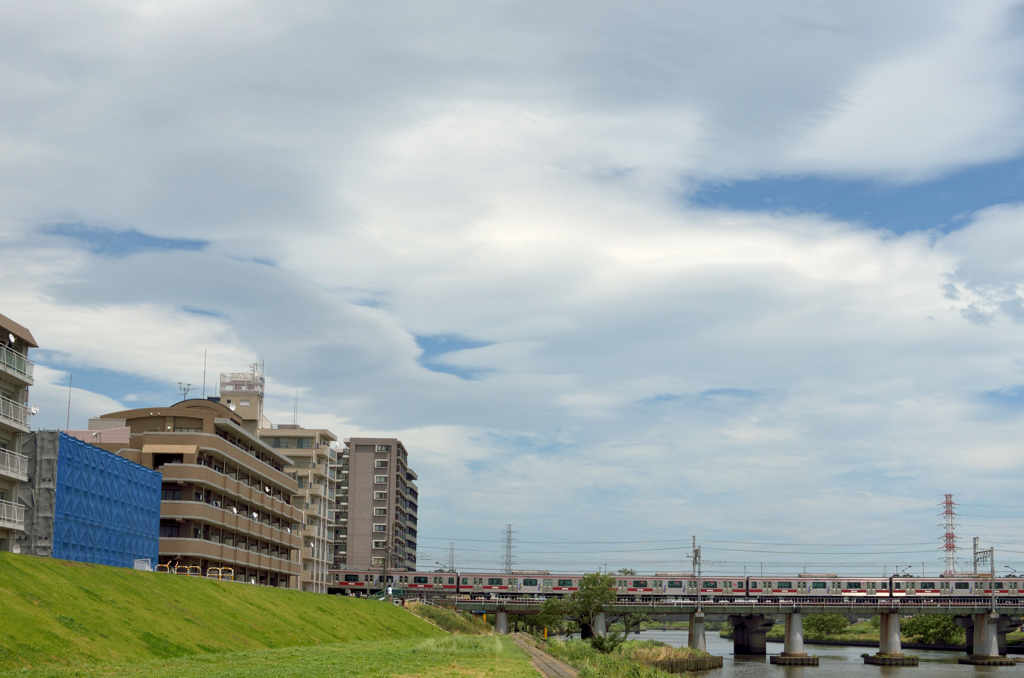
{"type": "Point", "coordinates": [933, 629]}
{"type": "Point", "coordinates": [594, 591]}
{"type": "Point", "coordinates": [825, 625]}
{"type": "Point", "coordinates": [626, 572]}
{"type": "Point", "coordinates": [551, 616]}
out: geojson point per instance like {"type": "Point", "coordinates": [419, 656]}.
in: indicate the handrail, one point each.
{"type": "Point", "coordinates": [15, 412]}
{"type": "Point", "coordinates": [12, 513]}
{"type": "Point", "coordinates": [13, 461]}
{"type": "Point", "coordinates": [18, 362]}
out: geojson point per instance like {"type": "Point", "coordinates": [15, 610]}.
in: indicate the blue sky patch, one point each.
{"type": "Point", "coordinates": [436, 346]}
{"type": "Point", "coordinates": [129, 389]}
{"type": "Point", "coordinates": [945, 203]}
{"type": "Point", "coordinates": [111, 243]}
{"type": "Point", "coordinates": [1009, 397]}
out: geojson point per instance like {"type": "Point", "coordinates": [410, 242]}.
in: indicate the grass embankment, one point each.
{"type": "Point", "coordinates": [451, 621]}
{"type": "Point", "coordinates": [626, 661]}
{"type": "Point", "coordinates": [59, 612]}
{"type": "Point", "coordinates": [445, 657]}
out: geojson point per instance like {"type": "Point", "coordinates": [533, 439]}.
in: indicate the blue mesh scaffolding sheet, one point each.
{"type": "Point", "coordinates": [107, 509]}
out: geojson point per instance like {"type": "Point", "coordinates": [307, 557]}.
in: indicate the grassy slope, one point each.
{"type": "Point", "coordinates": [54, 611]}
{"type": "Point", "coordinates": [451, 620]}
{"type": "Point", "coordinates": [447, 657]}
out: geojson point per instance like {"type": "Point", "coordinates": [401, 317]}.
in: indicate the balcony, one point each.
{"type": "Point", "coordinates": [15, 415]}
{"type": "Point", "coordinates": [12, 516]}
{"type": "Point", "coordinates": [13, 465]}
{"type": "Point", "coordinates": [17, 365]}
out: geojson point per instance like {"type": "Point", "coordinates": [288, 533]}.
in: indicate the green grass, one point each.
{"type": "Point", "coordinates": [55, 612]}
{"type": "Point", "coordinates": [451, 621]}
{"type": "Point", "coordinates": [618, 664]}
{"type": "Point", "coordinates": [448, 657]}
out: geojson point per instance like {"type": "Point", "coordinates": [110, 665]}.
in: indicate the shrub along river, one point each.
{"type": "Point", "coordinates": [835, 661]}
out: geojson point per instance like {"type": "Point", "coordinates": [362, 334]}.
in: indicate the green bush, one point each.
{"type": "Point", "coordinates": [607, 643]}
{"type": "Point", "coordinates": [593, 664]}
{"type": "Point", "coordinates": [934, 629]}
{"type": "Point", "coordinates": [825, 625]}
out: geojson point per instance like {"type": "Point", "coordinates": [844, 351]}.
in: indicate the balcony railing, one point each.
{"type": "Point", "coordinates": [12, 463]}
{"type": "Point", "coordinates": [16, 362]}
{"type": "Point", "coordinates": [15, 413]}
{"type": "Point", "coordinates": [12, 514]}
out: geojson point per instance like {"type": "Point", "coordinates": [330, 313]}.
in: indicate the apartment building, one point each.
{"type": "Point", "coordinates": [15, 421]}
{"type": "Point", "coordinates": [226, 495]}
{"type": "Point", "coordinates": [382, 504]}
{"type": "Point", "coordinates": [313, 453]}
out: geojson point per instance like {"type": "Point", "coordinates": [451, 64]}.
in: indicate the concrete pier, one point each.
{"type": "Point", "coordinates": [696, 639]}
{"type": "Point", "coordinates": [984, 634]}
{"type": "Point", "coordinates": [890, 646]}
{"type": "Point", "coordinates": [749, 633]}
{"type": "Point", "coordinates": [600, 625]}
{"type": "Point", "coordinates": [501, 622]}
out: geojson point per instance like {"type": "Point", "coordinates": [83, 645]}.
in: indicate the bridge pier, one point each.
{"type": "Point", "coordinates": [793, 645]}
{"type": "Point", "coordinates": [600, 625]}
{"type": "Point", "coordinates": [749, 633]}
{"type": "Point", "coordinates": [986, 638]}
{"type": "Point", "coordinates": [890, 646]}
{"type": "Point", "coordinates": [696, 637]}
{"type": "Point", "coordinates": [501, 622]}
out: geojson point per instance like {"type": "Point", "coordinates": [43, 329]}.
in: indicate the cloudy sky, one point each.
{"type": "Point", "coordinates": [615, 274]}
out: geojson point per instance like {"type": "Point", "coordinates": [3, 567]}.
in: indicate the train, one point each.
{"type": "Point", "coordinates": [674, 586]}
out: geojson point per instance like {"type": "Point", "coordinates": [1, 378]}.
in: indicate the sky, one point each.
{"type": "Point", "coordinates": [618, 275]}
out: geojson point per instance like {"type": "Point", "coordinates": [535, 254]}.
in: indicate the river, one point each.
{"type": "Point", "coordinates": [835, 661]}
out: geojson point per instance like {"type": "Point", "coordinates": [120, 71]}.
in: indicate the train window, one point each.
{"type": "Point", "coordinates": [817, 584]}
{"type": "Point", "coordinates": [478, 580]}
{"type": "Point", "coordinates": [884, 585]}
{"type": "Point", "coordinates": [547, 582]}
{"type": "Point", "coordinates": [640, 583]}
{"type": "Point", "coordinates": [785, 584]}
{"type": "Point", "coordinates": [451, 580]}
{"type": "Point", "coordinates": [465, 581]}
{"type": "Point", "coordinates": [494, 581]}
{"type": "Point", "coordinates": [529, 582]}
{"type": "Point", "coordinates": [738, 585]}
{"type": "Point", "coordinates": [565, 582]}
{"type": "Point", "coordinates": [675, 584]}
{"type": "Point", "coordinates": [999, 585]}
{"type": "Point", "coordinates": [753, 584]}
{"type": "Point", "coordinates": [926, 585]}
{"type": "Point", "coordinates": [961, 585]}
{"type": "Point", "coordinates": [351, 577]}
{"type": "Point", "coordinates": [710, 585]}
{"type": "Point", "coordinates": [621, 583]}
{"type": "Point", "coordinates": [513, 581]}
{"type": "Point", "coordinates": [853, 584]}
{"type": "Point", "coordinates": [419, 580]}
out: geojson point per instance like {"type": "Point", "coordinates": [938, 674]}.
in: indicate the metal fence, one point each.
{"type": "Point", "coordinates": [15, 412]}
{"type": "Point", "coordinates": [12, 462]}
{"type": "Point", "coordinates": [12, 513]}
{"type": "Point", "coordinates": [15, 361]}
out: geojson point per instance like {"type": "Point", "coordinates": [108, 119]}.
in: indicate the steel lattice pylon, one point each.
{"type": "Point", "coordinates": [949, 538]}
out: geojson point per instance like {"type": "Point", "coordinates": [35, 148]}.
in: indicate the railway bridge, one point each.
{"type": "Point", "coordinates": [986, 624]}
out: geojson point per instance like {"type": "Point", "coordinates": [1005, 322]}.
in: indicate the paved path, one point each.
{"type": "Point", "coordinates": [545, 664]}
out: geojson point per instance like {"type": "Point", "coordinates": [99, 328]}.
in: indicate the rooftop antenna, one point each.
{"type": "Point", "coordinates": [184, 388]}
{"type": "Point", "coordinates": [204, 373]}
{"type": "Point", "coordinates": [68, 424]}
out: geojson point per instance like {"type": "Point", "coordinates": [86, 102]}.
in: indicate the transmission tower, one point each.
{"type": "Point", "coordinates": [949, 538]}
{"type": "Point", "coordinates": [508, 559]}
{"type": "Point", "coordinates": [449, 557]}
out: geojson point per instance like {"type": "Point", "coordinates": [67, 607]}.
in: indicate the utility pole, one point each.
{"type": "Point", "coordinates": [696, 569]}
{"type": "Point", "coordinates": [975, 555]}
{"type": "Point", "coordinates": [992, 582]}
{"type": "Point", "coordinates": [508, 559]}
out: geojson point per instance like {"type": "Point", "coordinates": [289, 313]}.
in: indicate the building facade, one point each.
{"type": "Point", "coordinates": [15, 421]}
{"type": "Point", "coordinates": [86, 504]}
{"type": "Point", "coordinates": [382, 506]}
{"type": "Point", "coordinates": [313, 453]}
{"type": "Point", "coordinates": [226, 498]}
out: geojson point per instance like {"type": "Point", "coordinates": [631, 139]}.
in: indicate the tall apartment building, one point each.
{"type": "Point", "coordinates": [226, 496]}
{"type": "Point", "coordinates": [382, 505]}
{"type": "Point", "coordinates": [15, 421]}
{"type": "Point", "coordinates": [313, 453]}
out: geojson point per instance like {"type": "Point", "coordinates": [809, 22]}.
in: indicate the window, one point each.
{"type": "Point", "coordinates": [640, 583]}
{"type": "Point", "coordinates": [897, 586]}
{"type": "Point", "coordinates": [565, 582]}
{"type": "Point", "coordinates": [961, 585]}
{"type": "Point", "coordinates": [380, 480]}
{"type": "Point", "coordinates": [243, 403]}
{"type": "Point", "coordinates": [931, 585]}
{"type": "Point", "coordinates": [381, 463]}
{"type": "Point", "coordinates": [998, 585]}
{"type": "Point", "coordinates": [785, 584]}
{"type": "Point", "coordinates": [378, 561]}
{"type": "Point", "coordinates": [170, 495]}
{"type": "Point", "coordinates": [529, 582]}
{"type": "Point", "coordinates": [351, 577]}
{"type": "Point", "coordinates": [380, 527]}
{"type": "Point", "coordinates": [853, 584]}
{"type": "Point", "coordinates": [710, 584]}
{"type": "Point", "coordinates": [465, 581]}
{"type": "Point", "coordinates": [451, 580]}
{"type": "Point", "coordinates": [494, 581]}
{"type": "Point", "coordinates": [383, 448]}
{"type": "Point", "coordinates": [547, 582]}
{"type": "Point", "coordinates": [419, 580]}
{"type": "Point", "coordinates": [675, 584]}
{"type": "Point", "coordinates": [380, 495]}
{"type": "Point", "coordinates": [379, 544]}
{"type": "Point", "coordinates": [171, 531]}
{"type": "Point", "coordinates": [380, 511]}
{"type": "Point", "coordinates": [818, 584]}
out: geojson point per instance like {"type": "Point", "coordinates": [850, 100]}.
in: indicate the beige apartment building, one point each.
{"type": "Point", "coordinates": [382, 504]}
{"type": "Point", "coordinates": [227, 500]}
{"type": "Point", "coordinates": [15, 420]}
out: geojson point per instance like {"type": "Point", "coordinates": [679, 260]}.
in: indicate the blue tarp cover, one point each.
{"type": "Point", "coordinates": [107, 509]}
